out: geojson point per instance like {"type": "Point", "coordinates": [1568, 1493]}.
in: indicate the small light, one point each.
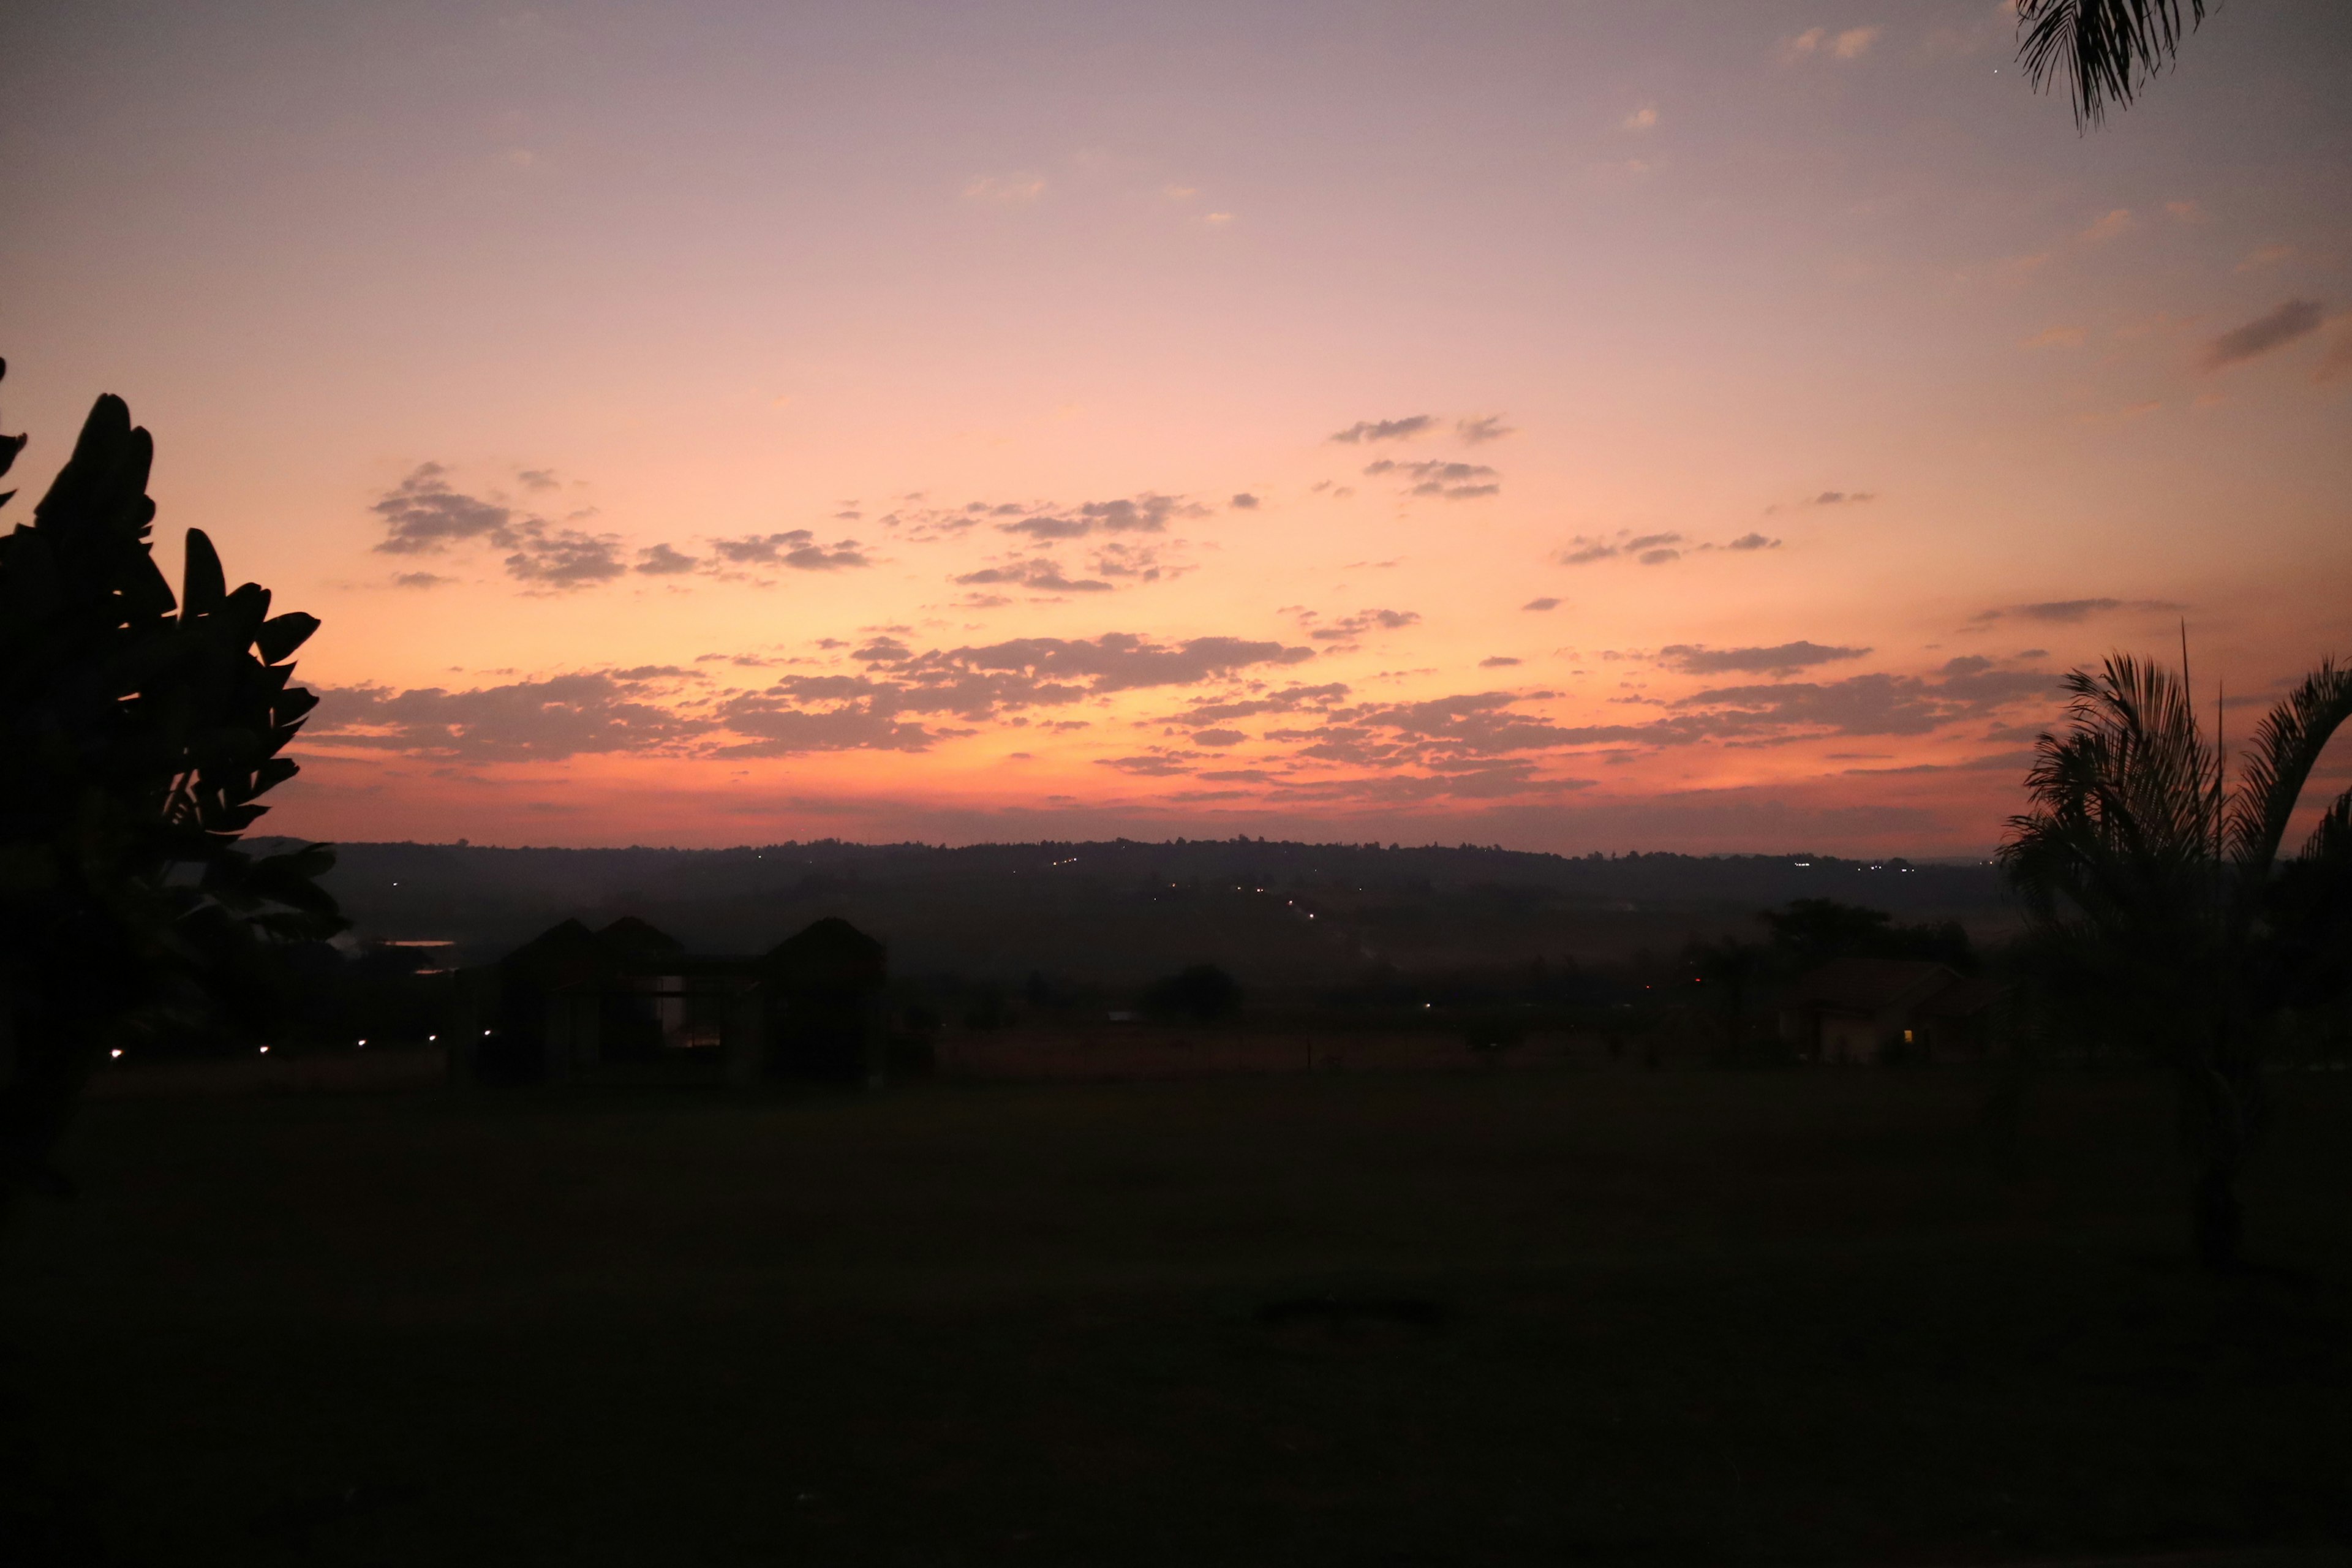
{"type": "Point", "coordinates": [115, 1052]}
{"type": "Point", "coordinates": [264, 1050]}
{"type": "Point", "coordinates": [486, 1033]}
{"type": "Point", "coordinates": [362, 1044]}
{"type": "Point", "coordinates": [430, 1038]}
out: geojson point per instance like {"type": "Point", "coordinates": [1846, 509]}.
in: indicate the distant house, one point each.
{"type": "Point", "coordinates": [825, 1004]}
{"type": "Point", "coordinates": [1860, 1010]}
{"type": "Point", "coordinates": [574, 1002]}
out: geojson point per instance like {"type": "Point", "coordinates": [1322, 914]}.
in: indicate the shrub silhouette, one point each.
{"type": "Point", "coordinates": [1204, 991]}
{"type": "Point", "coordinates": [138, 734]}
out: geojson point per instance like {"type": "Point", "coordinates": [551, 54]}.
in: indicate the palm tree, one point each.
{"type": "Point", "coordinates": [2157, 892]}
{"type": "Point", "coordinates": [2107, 49]}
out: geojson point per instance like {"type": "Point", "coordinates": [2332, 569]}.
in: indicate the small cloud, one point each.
{"type": "Point", "coordinates": [1385, 429]}
{"type": "Point", "coordinates": [1479, 431]}
{"type": "Point", "coordinates": [1659, 557]}
{"type": "Point", "coordinates": [1179, 193]}
{"type": "Point", "coordinates": [661, 560]}
{"type": "Point", "coordinates": [1008, 190]}
{"type": "Point", "coordinates": [1216, 220]}
{"type": "Point", "coordinates": [2296, 319]}
{"type": "Point", "coordinates": [1499, 662]}
{"type": "Point", "coordinates": [1546, 602]}
{"type": "Point", "coordinates": [1841, 498]}
{"type": "Point", "coordinates": [2268, 256]}
{"type": "Point", "coordinates": [1219, 737]}
{"type": "Point", "coordinates": [1850, 45]}
{"type": "Point", "coordinates": [1245, 502]}
{"type": "Point", "coordinates": [2109, 226]}
{"type": "Point", "coordinates": [537, 478]}
{"type": "Point", "coordinates": [2055, 337]}
{"type": "Point", "coordinates": [1643, 119]}
{"type": "Point", "coordinates": [2184, 212]}
{"type": "Point", "coordinates": [420, 580]}
{"type": "Point", "coordinates": [1753, 542]}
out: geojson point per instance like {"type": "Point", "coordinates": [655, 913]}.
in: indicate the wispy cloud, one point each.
{"type": "Point", "coordinates": [1485, 428]}
{"type": "Point", "coordinates": [1385, 429]}
{"type": "Point", "coordinates": [2296, 319]}
{"type": "Point", "coordinates": [1785, 659]}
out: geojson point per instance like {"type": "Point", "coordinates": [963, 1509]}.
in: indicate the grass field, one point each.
{"type": "Point", "coordinates": [1531, 1318]}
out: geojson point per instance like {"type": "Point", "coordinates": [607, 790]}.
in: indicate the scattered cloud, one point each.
{"type": "Point", "coordinates": [661, 560]}
{"type": "Point", "coordinates": [1003, 190]}
{"type": "Point", "coordinates": [1643, 119]}
{"type": "Point", "coordinates": [1453, 481]}
{"type": "Point", "coordinates": [1244, 501]}
{"type": "Point", "coordinates": [2268, 256]}
{"type": "Point", "coordinates": [1386, 429]}
{"type": "Point", "coordinates": [542, 720]}
{"type": "Point", "coordinates": [1649, 549]}
{"type": "Point", "coordinates": [423, 513]}
{"type": "Point", "coordinates": [1350, 627]}
{"type": "Point", "coordinates": [1485, 428]}
{"type": "Point", "coordinates": [556, 559]}
{"type": "Point", "coordinates": [1821, 43]}
{"type": "Point", "coordinates": [2107, 227]}
{"type": "Point", "coordinates": [1786, 658]}
{"type": "Point", "coordinates": [420, 580]}
{"type": "Point", "coordinates": [1499, 662]}
{"type": "Point", "coordinates": [1841, 498]}
{"type": "Point", "coordinates": [1753, 542]}
{"type": "Point", "coordinates": [2296, 319]}
{"type": "Point", "coordinates": [1040, 574]}
{"type": "Point", "coordinates": [1546, 603]}
{"type": "Point", "coordinates": [795, 548]}
{"type": "Point", "coordinates": [2056, 337]}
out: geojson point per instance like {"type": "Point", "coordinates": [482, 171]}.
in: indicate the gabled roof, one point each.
{"type": "Point", "coordinates": [1870, 985]}
{"type": "Point", "coordinates": [830, 952]}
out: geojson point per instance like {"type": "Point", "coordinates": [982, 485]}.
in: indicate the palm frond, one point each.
{"type": "Point", "coordinates": [2106, 49]}
{"type": "Point", "coordinates": [2118, 838]}
{"type": "Point", "coordinates": [2286, 747]}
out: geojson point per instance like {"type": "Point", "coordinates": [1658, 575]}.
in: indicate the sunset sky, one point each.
{"type": "Point", "coordinates": [1699, 426]}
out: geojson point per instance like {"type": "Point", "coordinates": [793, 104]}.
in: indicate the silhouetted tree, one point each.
{"type": "Point", "coordinates": [1204, 991]}
{"type": "Point", "coordinates": [1730, 970]}
{"type": "Point", "coordinates": [2161, 911]}
{"type": "Point", "coordinates": [2106, 50]}
{"type": "Point", "coordinates": [1811, 931]}
{"type": "Point", "coordinates": [137, 734]}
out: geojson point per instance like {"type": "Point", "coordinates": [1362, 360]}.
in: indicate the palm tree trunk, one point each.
{"type": "Point", "coordinates": [2220, 1108]}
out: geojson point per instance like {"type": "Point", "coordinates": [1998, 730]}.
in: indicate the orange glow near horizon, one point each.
{"type": "Point", "coordinates": [1583, 432]}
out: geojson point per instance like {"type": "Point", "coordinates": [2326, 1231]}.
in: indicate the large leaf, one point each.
{"type": "Point", "coordinates": [202, 585]}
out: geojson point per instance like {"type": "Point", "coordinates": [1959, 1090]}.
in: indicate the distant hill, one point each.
{"type": "Point", "coordinates": [1123, 910]}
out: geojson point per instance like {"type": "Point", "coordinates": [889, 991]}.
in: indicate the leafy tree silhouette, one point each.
{"type": "Point", "coordinates": [137, 734]}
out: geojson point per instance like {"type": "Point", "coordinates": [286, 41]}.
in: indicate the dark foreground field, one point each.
{"type": "Point", "coordinates": [1539, 1317]}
